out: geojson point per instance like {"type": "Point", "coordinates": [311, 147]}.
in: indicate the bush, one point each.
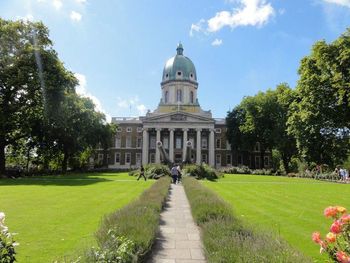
{"type": "Point", "coordinates": [7, 244]}
{"type": "Point", "coordinates": [226, 238]}
{"type": "Point", "coordinates": [201, 171]}
{"type": "Point", "coordinates": [131, 231]}
{"type": "Point", "coordinates": [153, 171]}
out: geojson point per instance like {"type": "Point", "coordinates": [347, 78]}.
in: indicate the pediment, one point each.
{"type": "Point", "coordinates": [177, 117]}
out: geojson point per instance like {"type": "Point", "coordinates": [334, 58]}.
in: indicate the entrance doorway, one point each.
{"type": "Point", "coordinates": [178, 158]}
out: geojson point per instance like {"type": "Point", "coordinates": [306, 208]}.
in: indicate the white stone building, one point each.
{"type": "Point", "coordinates": [178, 121]}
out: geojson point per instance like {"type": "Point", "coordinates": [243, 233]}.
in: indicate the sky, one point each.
{"type": "Point", "coordinates": [118, 48]}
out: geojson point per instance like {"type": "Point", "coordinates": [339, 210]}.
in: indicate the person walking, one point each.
{"type": "Point", "coordinates": [179, 174]}
{"type": "Point", "coordinates": [174, 173]}
{"type": "Point", "coordinates": [142, 173]}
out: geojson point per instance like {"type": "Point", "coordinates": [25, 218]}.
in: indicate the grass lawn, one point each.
{"type": "Point", "coordinates": [57, 215]}
{"type": "Point", "coordinates": [292, 207]}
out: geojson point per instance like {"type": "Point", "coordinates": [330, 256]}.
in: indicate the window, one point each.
{"type": "Point", "coordinates": [117, 157]}
{"type": "Point", "coordinates": [117, 142]}
{"type": "Point", "coordinates": [228, 145]}
{"type": "Point", "coordinates": [166, 97]}
{"type": "Point", "coordinates": [204, 158]}
{"type": "Point", "coordinates": [266, 161]}
{"type": "Point", "coordinates": [100, 157]}
{"type": "Point", "coordinates": [218, 159]}
{"type": "Point", "coordinates": [127, 158]}
{"type": "Point", "coordinates": [204, 143]}
{"type": "Point", "coordinates": [152, 158]}
{"type": "Point", "coordinates": [178, 142]}
{"type": "Point", "coordinates": [138, 142]}
{"type": "Point", "coordinates": [191, 97]}
{"type": "Point", "coordinates": [218, 143]}
{"type": "Point", "coordinates": [139, 129]}
{"type": "Point", "coordinates": [179, 95]}
{"type": "Point", "coordinates": [166, 143]}
{"type": "Point", "coordinates": [138, 158]}
{"type": "Point", "coordinates": [257, 162]}
{"type": "Point", "coordinates": [119, 129]}
{"type": "Point", "coordinates": [228, 159]}
{"type": "Point", "coordinates": [179, 73]}
{"type": "Point", "coordinates": [128, 142]}
{"type": "Point", "coordinates": [108, 158]}
{"type": "Point", "coordinates": [128, 129]}
{"type": "Point", "coordinates": [191, 76]}
{"type": "Point", "coordinates": [218, 130]}
{"type": "Point", "coordinates": [153, 142]}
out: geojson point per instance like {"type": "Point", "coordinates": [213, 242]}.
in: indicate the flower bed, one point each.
{"type": "Point", "coordinates": [228, 239]}
{"type": "Point", "coordinates": [128, 234]}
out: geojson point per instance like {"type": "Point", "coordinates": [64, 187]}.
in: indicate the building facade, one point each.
{"type": "Point", "coordinates": [177, 124]}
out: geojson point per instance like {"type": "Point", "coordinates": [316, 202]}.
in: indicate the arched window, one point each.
{"type": "Point", "coordinates": [191, 96]}
{"type": "Point", "coordinates": [166, 97]}
{"type": "Point", "coordinates": [179, 95]}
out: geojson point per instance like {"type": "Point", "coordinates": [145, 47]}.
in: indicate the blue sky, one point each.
{"type": "Point", "coordinates": [118, 48]}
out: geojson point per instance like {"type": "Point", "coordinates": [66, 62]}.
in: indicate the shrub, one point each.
{"type": "Point", "coordinates": [134, 227]}
{"type": "Point", "coordinates": [7, 244]}
{"type": "Point", "coordinates": [201, 171]}
{"type": "Point", "coordinates": [226, 238]}
{"type": "Point", "coordinates": [153, 171]}
{"type": "Point", "coordinates": [337, 241]}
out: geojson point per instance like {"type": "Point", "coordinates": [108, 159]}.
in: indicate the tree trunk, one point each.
{"type": "Point", "coordinates": [2, 157]}
{"type": "Point", "coordinates": [285, 161]}
{"type": "Point", "coordinates": [65, 161]}
{"type": "Point", "coordinates": [262, 155]}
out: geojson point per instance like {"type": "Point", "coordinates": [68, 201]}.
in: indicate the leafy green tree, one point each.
{"type": "Point", "coordinates": [262, 118]}
{"type": "Point", "coordinates": [30, 75]}
{"type": "Point", "coordinates": [320, 114]}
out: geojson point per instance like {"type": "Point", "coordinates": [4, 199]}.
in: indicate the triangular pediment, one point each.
{"type": "Point", "coordinates": [176, 117]}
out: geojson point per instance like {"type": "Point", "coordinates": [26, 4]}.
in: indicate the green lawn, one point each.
{"type": "Point", "coordinates": [292, 207]}
{"type": "Point", "coordinates": [57, 215]}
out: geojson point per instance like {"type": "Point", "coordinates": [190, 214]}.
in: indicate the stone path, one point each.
{"type": "Point", "coordinates": [179, 239]}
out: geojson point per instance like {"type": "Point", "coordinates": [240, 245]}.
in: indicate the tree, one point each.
{"type": "Point", "coordinates": [262, 118]}
{"type": "Point", "coordinates": [320, 114]}
{"type": "Point", "coordinates": [23, 87]}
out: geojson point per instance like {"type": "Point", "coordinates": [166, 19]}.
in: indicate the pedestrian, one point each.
{"type": "Point", "coordinates": [179, 174]}
{"type": "Point", "coordinates": [142, 173]}
{"type": "Point", "coordinates": [174, 173]}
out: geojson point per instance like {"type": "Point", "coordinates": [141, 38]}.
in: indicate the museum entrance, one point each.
{"type": "Point", "coordinates": [178, 158]}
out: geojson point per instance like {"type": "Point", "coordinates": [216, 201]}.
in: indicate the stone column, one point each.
{"type": "Point", "coordinates": [198, 152]}
{"type": "Point", "coordinates": [184, 143]}
{"type": "Point", "coordinates": [157, 149]}
{"type": "Point", "coordinates": [171, 145]}
{"type": "Point", "coordinates": [211, 148]}
{"type": "Point", "coordinates": [145, 145]}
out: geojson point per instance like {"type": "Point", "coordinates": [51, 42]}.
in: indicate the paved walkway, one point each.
{"type": "Point", "coordinates": [178, 240]}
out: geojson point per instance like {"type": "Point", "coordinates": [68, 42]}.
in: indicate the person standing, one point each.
{"type": "Point", "coordinates": [142, 173]}
{"type": "Point", "coordinates": [174, 173]}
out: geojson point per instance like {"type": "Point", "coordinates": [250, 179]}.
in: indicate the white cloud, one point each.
{"type": "Point", "coordinates": [133, 104]}
{"type": "Point", "coordinates": [198, 27]}
{"type": "Point", "coordinates": [249, 13]}
{"type": "Point", "coordinates": [339, 2]}
{"type": "Point", "coordinates": [75, 16]}
{"type": "Point", "coordinates": [57, 4]}
{"type": "Point", "coordinates": [217, 42]}
{"type": "Point", "coordinates": [81, 1]}
{"type": "Point", "coordinates": [82, 91]}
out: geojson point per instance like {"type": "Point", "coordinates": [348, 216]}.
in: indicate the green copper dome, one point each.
{"type": "Point", "coordinates": [179, 67]}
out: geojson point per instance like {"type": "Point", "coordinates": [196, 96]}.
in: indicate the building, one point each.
{"type": "Point", "coordinates": [178, 122]}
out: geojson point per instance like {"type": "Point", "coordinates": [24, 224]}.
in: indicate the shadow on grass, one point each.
{"type": "Point", "coordinates": [59, 180]}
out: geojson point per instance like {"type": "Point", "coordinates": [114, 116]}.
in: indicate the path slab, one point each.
{"type": "Point", "coordinates": [178, 239]}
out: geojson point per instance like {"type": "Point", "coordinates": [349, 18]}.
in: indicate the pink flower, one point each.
{"type": "Point", "coordinates": [343, 257]}
{"type": "Point", "coordinates": [345, 218]}
{"type": "Point", "coordinates": [316, 237]}
{"type": "Point", "coordinates": [336, 227]}
{"type": "Point", "coordinates": [330, 211]}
